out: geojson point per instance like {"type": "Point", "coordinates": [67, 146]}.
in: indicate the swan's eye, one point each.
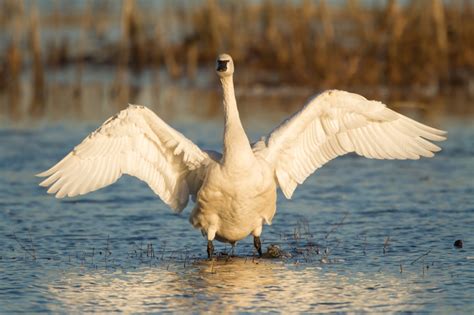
{"type": "Point", "coordinates": [222, 65]}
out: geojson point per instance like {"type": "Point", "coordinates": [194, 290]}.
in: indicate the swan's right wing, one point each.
{"type": "Point", "coordinates": [135, 142]}
{"type": "Point", "coordinates": [335, 123]}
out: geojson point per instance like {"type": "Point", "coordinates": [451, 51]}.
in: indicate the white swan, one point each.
{"type": "Point", "coordinates": [235, 192]}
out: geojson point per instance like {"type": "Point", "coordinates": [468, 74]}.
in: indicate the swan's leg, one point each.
{"type": "Point", "coordinates": [210, 249]}
{"type": "Point", "coordinates": [211, 234]}
{"type": "Point", "coordinates": [258, 245]}
{"type": "Point", "coordinates": [256, 240]}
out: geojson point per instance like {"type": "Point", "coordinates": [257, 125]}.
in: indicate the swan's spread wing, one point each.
{"type": "Point", "coordinates": [335, 123]}
{"type": "Point", "coordinates": [134, 142]}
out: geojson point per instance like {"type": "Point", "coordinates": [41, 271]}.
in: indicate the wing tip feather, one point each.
{"type": "Point", "coordinates": [46, 173]}
{"type": "Point", "coordinates": [43, 184]}
{"type": "Point", "coordinates": [42, 174]}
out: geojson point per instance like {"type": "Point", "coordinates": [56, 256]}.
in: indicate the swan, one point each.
{"type": "Point", "coordinates": [235, 191]}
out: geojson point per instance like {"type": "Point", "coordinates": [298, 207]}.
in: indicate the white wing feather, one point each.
{"type": "Point", "coordinates": [135, 142]}
{"type": "Point", "coordinates": [335, 123]}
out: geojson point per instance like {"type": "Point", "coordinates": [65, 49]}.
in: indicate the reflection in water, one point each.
{"type": "Point", "coordinates": [97, 95]}
{"type": "Point", "coordinates": [228, 286]}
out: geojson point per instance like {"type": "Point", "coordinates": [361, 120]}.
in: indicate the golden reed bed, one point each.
{"type": "Point", "coordinates": [422, 49]}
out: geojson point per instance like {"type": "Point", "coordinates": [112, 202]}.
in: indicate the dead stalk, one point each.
{"type": "Point", "coordinates": [386, 244]}
{"type": "Point", "coordinates": [421, 256]}
{"type": "Point", "coordinates": [30, 251]}
{"type": "Point", "coordinates": [336, 226]}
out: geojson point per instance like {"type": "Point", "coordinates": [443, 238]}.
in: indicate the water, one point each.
{"type": "Point", "coordinates": [363, 235]}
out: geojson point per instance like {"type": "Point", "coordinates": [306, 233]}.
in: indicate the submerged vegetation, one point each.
{"type": "Point", "coordinates": [418, 49]}
{"type": "Point", "coordinates": [306, 247]}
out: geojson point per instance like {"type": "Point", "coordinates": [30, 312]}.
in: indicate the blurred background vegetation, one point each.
{"type": "Point", "coordinates": [80, 58]}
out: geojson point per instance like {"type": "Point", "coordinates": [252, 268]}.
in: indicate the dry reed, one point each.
{"type": "Point", "coordinates": [38, 81]}
{"type": "Point", "coordinates": [421, 48]}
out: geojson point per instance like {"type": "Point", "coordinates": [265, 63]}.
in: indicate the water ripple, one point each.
{"type": "Point", "coordinates": [121, 249]}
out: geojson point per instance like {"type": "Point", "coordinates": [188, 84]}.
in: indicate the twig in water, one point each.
{"type": "Point", "coordinates": [32, 245]}
{"type": "Point", "coordinates": [328, 252]}
{"type": "Point", "coordinates": [163, 250]}
{"type": "Point", "coordinates": [150, 252]}
{"type": "Point", "coordinates": [29, 251]}
{"type": "Point", "coordinates": [420, 257]}
{"type": "Point", "coordinates": [365, 246]}
{"type": "Point", "coordinates": [385, 244]}
{"type": "Point", "coordinates": [185, 257]}
{"type": "Point", "coordinates": [336, 226]}
{"type": "Point", "coordinates": [296, 235]}
{"type": "Point", "coordinates": [107, 251]}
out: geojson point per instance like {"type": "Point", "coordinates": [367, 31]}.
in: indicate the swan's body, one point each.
{"type": "Point", "coordinates": [235, 192]}
{"type": "Point", "coordinates": [235, 203]}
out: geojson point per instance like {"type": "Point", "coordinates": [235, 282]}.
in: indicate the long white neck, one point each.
{"type": "Point", "coordinates": [237, 150]}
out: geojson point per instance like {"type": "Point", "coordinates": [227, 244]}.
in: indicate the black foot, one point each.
{"type": "Point", "coordinates": [210, 249]}
{"type": "Point", "coordinates": [258, 245]}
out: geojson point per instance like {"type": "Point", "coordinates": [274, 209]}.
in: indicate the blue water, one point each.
{"type": "Point", "coordinates": [363, 235]}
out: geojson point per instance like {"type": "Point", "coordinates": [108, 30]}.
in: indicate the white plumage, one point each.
{"type": "Point", "coordinates": [235, 193]}
{"type": "Point", "coordinates": [134, 142]}
{"type": "Point", "coordinates": [335, 123]}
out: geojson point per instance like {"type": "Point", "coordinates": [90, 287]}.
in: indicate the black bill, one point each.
{"type": "Point", "coordinates": [222, 65]}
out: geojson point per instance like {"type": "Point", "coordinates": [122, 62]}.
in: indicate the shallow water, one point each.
{"type": "Point", "coordinates": [363, 235]}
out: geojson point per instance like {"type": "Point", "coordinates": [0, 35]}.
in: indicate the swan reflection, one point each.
{"type": "Point", "coordinates": [228, 286]}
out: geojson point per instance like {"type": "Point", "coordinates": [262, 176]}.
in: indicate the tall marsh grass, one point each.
{"type": "Point", "coordinates": [416, 49]}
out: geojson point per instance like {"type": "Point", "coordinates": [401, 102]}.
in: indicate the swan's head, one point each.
{"type": "Point", "coordinates": [224, 65]}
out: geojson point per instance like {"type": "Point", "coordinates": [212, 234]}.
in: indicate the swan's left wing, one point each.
{"type": "Point", "coordinates": [335, 123]}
